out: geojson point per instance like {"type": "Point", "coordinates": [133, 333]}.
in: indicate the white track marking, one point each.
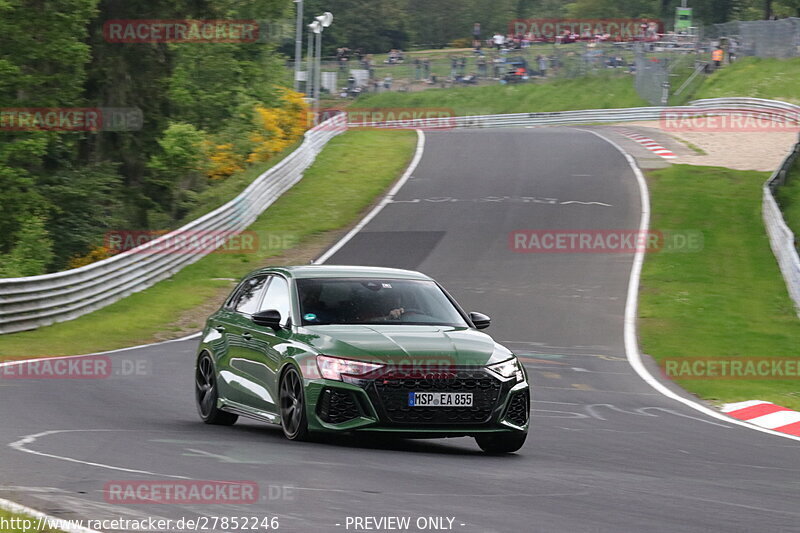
{"type": "Point", "coordinates": [631, 308]}
{"type": "Point", "coordinates": [65, 524]}
{"type": "Point", "coordinates": [378, 208]}
{"type": "Point", "coordinates": [21, 444]}
{"type": "Point", "coordinates": [29, 439]}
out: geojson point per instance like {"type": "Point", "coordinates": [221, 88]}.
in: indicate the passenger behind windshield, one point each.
{"type": "Point", "coordinates": [375, 301]}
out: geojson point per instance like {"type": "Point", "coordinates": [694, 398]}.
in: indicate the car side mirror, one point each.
{"type": "Point", "coordinates": [269, 318]}
{"type": "Point", "coordinates": [480, 320]}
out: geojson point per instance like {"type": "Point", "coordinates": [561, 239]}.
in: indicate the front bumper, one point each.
{"type": "Point", "coordinates": [381, 405]}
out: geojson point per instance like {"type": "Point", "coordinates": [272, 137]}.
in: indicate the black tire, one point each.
{"type": "Point", "coordinates": [293, 406]}
{"type": "Point", "coordinates": [206, 394]}
{"type": "Point", "coordinates": [497, 443]}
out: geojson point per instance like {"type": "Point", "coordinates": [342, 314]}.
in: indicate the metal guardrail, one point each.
{"type": "Point", "coordinates": [32, 302]}
{"type": "Point", "coordinates": [769, 109]}
{"type": "Point", "coordinates": [781, 238]}
{"type": "Point", "coordinates": [35, 301]}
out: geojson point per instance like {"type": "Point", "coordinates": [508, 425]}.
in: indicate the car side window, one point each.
{"type": "Point", "coordinates": [249, 295]}
{"type": "Point", "coordinates": [277, 297]}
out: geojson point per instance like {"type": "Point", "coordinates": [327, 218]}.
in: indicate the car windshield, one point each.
{"type": "Point", "coordinates": [375, 301]}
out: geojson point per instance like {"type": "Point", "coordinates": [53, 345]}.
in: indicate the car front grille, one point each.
{"type": "Point", "coordinates": [337, 406]}
{"type": "Point", "coordinates": [391, 393]}
{"type": "Point", "coordinates": [518, 409]}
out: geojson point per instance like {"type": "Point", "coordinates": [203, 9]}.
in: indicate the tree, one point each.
{"type": "Point", "coordinates": [210, 81]}
{"type": "Point", "coordinates": [178, 168]}
{"type": "Point", "coordinates": [374, 25]}
{"type": "Point", "coordinates": [83, 202]}
{"type": "Point", "coordinates": [32, 251]}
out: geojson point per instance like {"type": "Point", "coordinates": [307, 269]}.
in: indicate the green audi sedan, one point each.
{"type": "Point", "coordinates": [339, 349]}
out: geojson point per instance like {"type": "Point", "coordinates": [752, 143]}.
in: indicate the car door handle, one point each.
{"type": "Point", "coordinates": [246, 336]}
{"type": "Point", "coordinates": [221, 329]}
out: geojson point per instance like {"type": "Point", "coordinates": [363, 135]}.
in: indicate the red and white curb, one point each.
{"type": "Point", "coordinates": [648, 143]}
{"type": "Point", "coordinates": [766, 415]}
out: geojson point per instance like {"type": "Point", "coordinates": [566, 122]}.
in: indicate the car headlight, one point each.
{"type": "Point", "coordinates": [507, 369]}
{"type": "Point", "coordinates": [335, 367]}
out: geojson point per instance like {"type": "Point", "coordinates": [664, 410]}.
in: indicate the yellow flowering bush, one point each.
{"type": "Point", "coordinates": [223, 161]}
{"type": "Point", "coordinates": [97, 253]}
{"type": "Point", "coordinates": [278, 127]}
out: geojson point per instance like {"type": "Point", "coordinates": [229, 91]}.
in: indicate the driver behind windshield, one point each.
{"type": "Point", "coordinates": [374, 301]}
{"type": "Point", "coordinates": [381, 306]}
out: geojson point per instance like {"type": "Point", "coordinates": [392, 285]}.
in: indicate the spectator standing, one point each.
{"type": "Point", "coordinates": [542, 64]}
{"type": "Point", "coordinates": [716, 56]}
{"type": "Point", "coordinates": [498, 40]}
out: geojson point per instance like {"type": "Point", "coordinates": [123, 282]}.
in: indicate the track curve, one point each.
{"type": "Point", "coordinates": [606, 452]}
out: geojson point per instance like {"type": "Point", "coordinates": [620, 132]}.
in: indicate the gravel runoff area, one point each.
{"type": "Point", "coordinates": [741, 150]}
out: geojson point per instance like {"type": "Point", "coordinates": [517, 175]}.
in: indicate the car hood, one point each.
{"type": "Point", "coordinates": [407, 344]}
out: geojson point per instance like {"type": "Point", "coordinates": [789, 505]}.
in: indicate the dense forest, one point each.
{"type": "Point", "coordinates": [208, 109]}
{"type": "Point", "coordinates": [379, 25]}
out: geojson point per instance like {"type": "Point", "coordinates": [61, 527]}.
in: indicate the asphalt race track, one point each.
{"type": "Point", "coordinates": [606, 453]}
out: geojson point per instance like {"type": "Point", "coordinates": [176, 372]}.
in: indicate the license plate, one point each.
{"type": "Point", "coordinates": [440, 399]}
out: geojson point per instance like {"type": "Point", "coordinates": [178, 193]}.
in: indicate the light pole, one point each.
{"type": "Point", "coordinates": [323, 21]}
{"type": "Point", "coordinates": [314, 28]}
{"type": "Point", "coordinates": [298, 45]}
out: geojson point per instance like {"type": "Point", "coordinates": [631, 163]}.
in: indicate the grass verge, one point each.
{"type": "Point", "coordinates": [756, 78]}
{"type": "Point", "coordinates": [729, 300]}
{"type": "Point", "coordinates": [17, 524]}
{"type": "Point", "coordinates": [352, 170]}
{"type": "Point", "coordinates": [591, 92]}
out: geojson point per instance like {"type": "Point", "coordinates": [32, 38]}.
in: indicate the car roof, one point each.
{"type": "Point", "coordinates": [344, 271]}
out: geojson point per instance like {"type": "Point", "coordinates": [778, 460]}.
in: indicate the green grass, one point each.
{"type": "Point", "coordinates": [592, 92]}
{"type": "Point", "coordinates": [353, 169]}
{"type": "Point", "coordinates": [754, 77]}
{"type": "Point", "coordinates": [5, 515]}
{"type": "Point", "coordinates": [788, 197]}
{"type": "Point", "coordinates": [728, 300]}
